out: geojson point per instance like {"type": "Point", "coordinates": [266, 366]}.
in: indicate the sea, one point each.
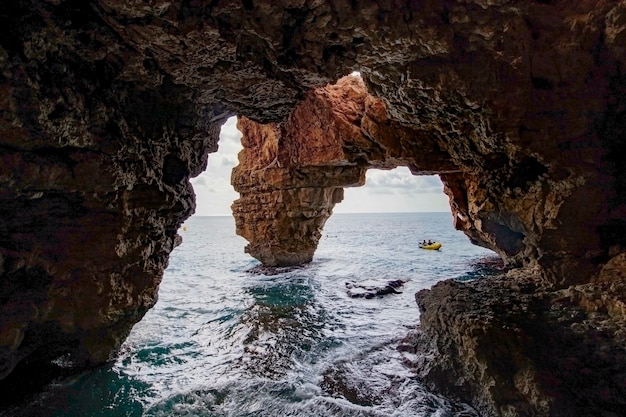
{"type": "Point", "coordinates": [227, 338]}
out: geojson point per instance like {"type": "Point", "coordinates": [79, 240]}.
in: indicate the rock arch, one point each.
{"type": "Point", "coordinates": [108, 107]}
{"type": "Point", "coordinates": [291, 174]}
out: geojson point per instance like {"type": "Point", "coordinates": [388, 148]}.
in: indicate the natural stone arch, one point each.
{"type": "Point", "coordinates": [291, 174]}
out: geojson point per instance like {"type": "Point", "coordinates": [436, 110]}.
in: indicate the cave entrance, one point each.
{"type": "Point", "coordinates": [256, 327]}
{"type": "Point", "coordinates": [214, 193]}
{"type": "Point", "coordinates": [264, 331]}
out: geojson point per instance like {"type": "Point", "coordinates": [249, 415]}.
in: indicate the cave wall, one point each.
{"type": "Point", "coordinates": [108, 107]}
{"type": "Point", "coordinates": [94, 175]}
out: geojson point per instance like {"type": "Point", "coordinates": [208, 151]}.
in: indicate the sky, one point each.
{"type": "Point", "coordinates": [385, 191]}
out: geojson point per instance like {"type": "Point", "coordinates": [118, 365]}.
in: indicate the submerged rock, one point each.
{"type": "Point", "coordinates": [372, 288]}
{"type": "Point", "coordinates": [271, 270]}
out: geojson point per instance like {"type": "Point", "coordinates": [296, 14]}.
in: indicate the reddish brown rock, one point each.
{"type": "Point", "coordinates": [284, 203]}
{"type": "Point", "coordinates": [290, 174]}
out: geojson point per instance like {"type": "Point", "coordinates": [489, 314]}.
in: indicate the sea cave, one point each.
{"type": "Point", "coordinates": [108, 108]}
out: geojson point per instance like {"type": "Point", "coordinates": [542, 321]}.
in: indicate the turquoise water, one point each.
{"type": "Point", "coordinates": [223, 341]}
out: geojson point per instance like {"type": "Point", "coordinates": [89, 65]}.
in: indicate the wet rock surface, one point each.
{"type": "Point", "coordinates": [510, 347]}
{"type": "Point", "coordinates": [373, 288]}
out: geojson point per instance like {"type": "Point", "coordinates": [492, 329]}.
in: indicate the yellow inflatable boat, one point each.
{"type": "Point", "coordinates": [432, 246]}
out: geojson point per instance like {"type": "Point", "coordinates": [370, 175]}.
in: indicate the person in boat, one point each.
{"type": "Point", "coordinates": [429, 242]}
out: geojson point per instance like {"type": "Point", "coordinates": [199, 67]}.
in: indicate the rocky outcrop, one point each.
{"type": "Point", "coordinates": [287, 190]}
{"type": "Point", "coordinates": [290, 174]}
{"type": "Point", "coordinates": [513, 349]}
{"type": "Point", "coordinates": [94, 184]}
{"type": "Point", "coordinates": [108, 107]}
{"type": "Point", "coordinates": [373, 288]}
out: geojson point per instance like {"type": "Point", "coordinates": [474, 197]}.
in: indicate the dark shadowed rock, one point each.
{"type": "Point", "coordinates": [511, 348]}
{"type": "Point", "coordinates": [373, 288]}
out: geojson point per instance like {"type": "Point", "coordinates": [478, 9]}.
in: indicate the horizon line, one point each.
{"type": "Point", "coordinates": [355, 212]}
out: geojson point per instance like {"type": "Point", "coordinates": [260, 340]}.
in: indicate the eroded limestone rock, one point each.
{"type": "Point", "coordinates": [290, 174]}
{"type": "Point", "coordinates": [94, 173]}
{"type": "Point", "coordinates": [513, 349]}
{"type": "Point", "coordinates": [285, 203]}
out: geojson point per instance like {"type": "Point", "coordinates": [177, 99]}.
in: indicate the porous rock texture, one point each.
{"type": "Point", "coordinates": [512, 348]}
{"type": "Point", "coordinates": [290, 174]}
{"type": "Point", "coordinates": [108, 107]}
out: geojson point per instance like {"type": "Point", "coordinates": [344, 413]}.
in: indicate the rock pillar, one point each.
{"type": "Point", "coordinates": [283, 207]}
{"type": "Point", "coordinates": [290, 174]}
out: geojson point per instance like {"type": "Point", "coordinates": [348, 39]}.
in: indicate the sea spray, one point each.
{"type": "Point", "coordinates": [229, 338]}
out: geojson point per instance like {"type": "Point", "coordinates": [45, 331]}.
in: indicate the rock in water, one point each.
{"type": "Point", "coordinates": [371, 288]}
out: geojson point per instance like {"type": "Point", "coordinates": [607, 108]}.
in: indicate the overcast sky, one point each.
{"type": "Point", "coordinates": [385, 191]}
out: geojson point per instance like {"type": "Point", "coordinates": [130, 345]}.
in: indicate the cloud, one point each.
{"type": "Point", "coordinates": [214, 194]}
{"type": "Point", "coordinates": [395, 191]}
{"type": "Point", "coordinates": [199, 181]}
{"type": "Point", "coordinates": [400, 180]}
{"type": "Point", "coordinates": [217, 161]}
{"type": "Point", "coordinates": [230, 138]}
{"type": "Point", "coordinates": [230, 161]}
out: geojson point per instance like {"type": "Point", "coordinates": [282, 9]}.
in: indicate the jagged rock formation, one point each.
{"type": "Point", "coordinates": [512, 348]}
{"type": "Point", "coordinates": [290, 174]}
{"type": "Point", "coordinates": [94, 175]}
{"type": "Point", "coordinates": [109, 106]}
{"type": "Point", "coordinates": [285, 201]}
